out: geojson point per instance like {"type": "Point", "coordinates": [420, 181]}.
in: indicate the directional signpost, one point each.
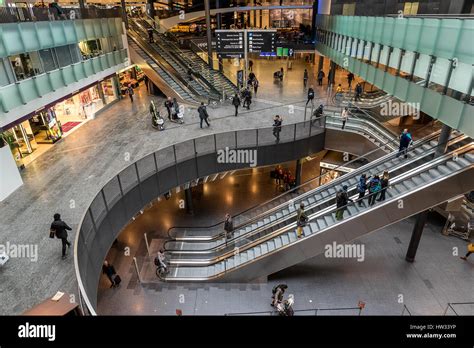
{"type": "Point", "coordinates": [238, 43]}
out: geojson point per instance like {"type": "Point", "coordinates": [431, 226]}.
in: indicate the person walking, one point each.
{"type": "Point", "coordinates": [310, 96]}
{"type": "Point", "coordinates": [110, 272]}
{"type": "Point", "coordinates": [130, 92]}
{"type": "Point", "coordinates": [384, 185]}
{"type": "Point", "coordinates": [342, 198]}
{"type": "Point", "coordinates": [330, 77]}
{"type": "Point", "coordinates": [358, 92]}
{"type": "Point", "coordinates": [305, 78]}
{"type": "Point", "coordinates": [169, 106]}
{"type": "Point", "coordinates": [361, 188]}
{"type": "Point", "coordinates": [301, 220]}
{"type": "Point", "coordinates": [277, 121]}
{"type": "Point", "coordinates": [321, 76]}
{"type": "Point", "coordinates": [350, 78]}
{"type": "Point", "coordinates": [344, 116]}
{"type": "Point", "coordinates": [374, 188]}
{"type": "Point", "coordinates": [174, 109]}
{"type": "Point", "coordinates": [255, 85]}
{"type": "Point", "coordinates": [60, 229]}
{"type": "Point", "coordinates": [405, 141]}
{"type": "Point", "coordinates": [228, 226]}
{"type": "Point", "coordinates": [247, 98]}
{"type": "Point", "coordinates": [203, 115]}
{"type": "Point", "coordinates": [470, 250]}
{"type": "Point", "coordinates": [236, 103]}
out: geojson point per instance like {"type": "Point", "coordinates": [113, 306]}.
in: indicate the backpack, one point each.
{"type": "Point", "coordinates": [341, 198]}
{"type": "Point", "coordinates": [375, 186]}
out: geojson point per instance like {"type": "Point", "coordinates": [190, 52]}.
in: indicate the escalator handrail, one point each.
{"type": "Point", "coordinates": [291, 214]}
{"type": "Point", "coordinates": [330, 210]}
{"type": "Point", "coordinates": [376, 162]}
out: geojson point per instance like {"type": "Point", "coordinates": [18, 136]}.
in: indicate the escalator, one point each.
{"type": "Point", "coordinates": [265, 237]}
{"type": "Point", "coordinates": [199, 84]}
{"type": "Point", "coordinates": [215, 77]}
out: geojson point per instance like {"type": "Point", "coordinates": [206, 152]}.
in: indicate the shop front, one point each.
{"type": "Point", "coordinates": [36, 134]}
{"type": "Point", "coordinates": [131, 76]}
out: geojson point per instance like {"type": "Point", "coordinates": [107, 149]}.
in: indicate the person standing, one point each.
{"type": "Point", "coordinates": [344, 116]}
{"type": "Point", "coordinates": [330, 77]}
{"type": "Point", "coordinates": [361, 188]}
{"type": "Point", "coordinates": [169, 106]}
{"type": "Point", "coordinates": [228, 226]}
{"type": "Point", "coordinates": [277, 121]}
{"type": "Point", "coordinates": [350, 78]}
{"type": "Point", "coordinates": [301, 220]}
{"type": "Point", "coordinates": [174, 109]}
{"type": "Point", "coordinates": [358, 92]}
{"type": "Point", "coordinates": [305, 78]}
{"type": "Point", "coordinates": [236, 103]}
{"type": "Point", "coordinates": [405, 142]}
{"type": "Point", "coordinates": [374, 189]}
{"type": "Point", "coordinates": [130, 92]}
{"type": "Point", "coordinates": [342, 198]}
{"type": "Point", "coordinates": [247, 98]}
{"type": "Point", "coordinates": [310, 96]}
{"type": "Point", "coordinates": [384, 186]}
{"type": "Point", "coordinates": [203, 115]}
{"type": "Point", "coordinates": [321, 75]}
{"type": "Point", "coordinates": [60, 229]}
{"type": "Point", "coordinates": [110, 272]}
{"type": "Point", "coordinates": [255, 85]}
{"type": "Point", "coordinates": [150, 34]}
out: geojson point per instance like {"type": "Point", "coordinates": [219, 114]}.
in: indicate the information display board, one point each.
{"type": "Point", "coordinates": [230, 43]}
{"type": "Point", "coordinates": [261, 41]}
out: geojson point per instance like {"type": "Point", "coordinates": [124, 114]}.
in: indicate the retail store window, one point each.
{"type": "Point", "coordinates": [410, 8]}
{"type": "Point", "coordinates": [64, 56]}
{"type": "Point", "coordinates": [26, 65]}
{"type": "Point", "coordinates": [49, 60]}
{"type": "Point", "coordinates": [6, 73]}
{"type": "Point", "coordinates": [90, 49]}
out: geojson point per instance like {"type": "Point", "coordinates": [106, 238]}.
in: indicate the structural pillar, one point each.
{"type": "Point", "coordinates": [333, 69]}
{"type": "Point", "coordinates": [443, 140]}
{"type": "Point", "coordinates": [299, 168]}
{"type": "Point", "coordinates": [207, 10]}
{"type": "Point", "coordinates": [150, 7]}
{"type": "Point", "coordinates": [188, 201]}
{"type": "Point", "coordinates": [82, 4]}
{"type": "Point", "coordinates": [313, 21]}
{"type": "Point", "coordinates": [219, 26]}
{"type": "Point", "coordinates": [416, 235]}
{"type": "Point", "coordinates": [124, 13]}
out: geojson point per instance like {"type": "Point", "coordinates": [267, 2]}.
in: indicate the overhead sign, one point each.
{"type": "Point", "coordinates": [261, 41]}
{"type": "Point", "coordinates": [230, 43]}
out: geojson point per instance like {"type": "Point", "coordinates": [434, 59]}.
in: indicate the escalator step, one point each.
{"type": "Point", "coordinates": [311, 200]}
{"type": "Point", "coordinates": [321, 223]}
{"type": "Point", "coordinates": [292, 236]}
{"type": "Point", "coordinates": [278, 242]}
{"type": "Point", "coordinates": [250, 254]}
{"type": "Point", "coordinates": [463, 162]}
{"type": "Point", "coordinates": [434, 173]}
{"type": "Point", "coordinates": [306, 231]}
{"type": "Point", "coordinates": [314, 227]}
{"type": "Point", "coordinates": [285, 239]}
{"type": "Point", "coordinates": [257, 251]}
{"type": "Point", "coordinates": [418, 180]}
{"type": "Point", "coordinates": [469, 156]}
{"type": "Point", "coordinates": [271, 245]}
{"type": "Point", "coordinates": [264, 248]}
{"type": "Point", "coordinates": [329, 219]}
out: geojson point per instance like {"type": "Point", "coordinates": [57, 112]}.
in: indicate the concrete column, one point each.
{"type": "Point", "coordinates": [219, 26]}
{"type": "Point", "coordinates": [82, 4]}
{"type": "Point", "coordinates": [207, 9]}
{"type": "Point", "coordinates": [150, 8]}
{"type": "Point", "coordinates": [416, 235]}
{"type": "Point", "coordinates": [124, 13]}
{"type": "Point", "coordinates": [101, 93]}
{"type": "Point", "coordinates": [313, 21]}
{"type": "Point", "coordinates": [333, 68]}
{"type": "Point", "coordinates": [443, 140]}
{"type": "Point", "coordinates": [299, 168]}
{"type": "Point", "coordinates": [188, 201]}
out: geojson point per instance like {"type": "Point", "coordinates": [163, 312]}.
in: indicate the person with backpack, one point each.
{"type": "Point", "coordinates": [361, 188]}
{"type": "Point", "coordinates": [169, 106]}
{"type": "Point", "coordinates": [405, 141]}
{"type": "Point", "coordinates": [305, 78]}
{"type": "Point", "coordinates": [150, 34]}
{"type": "Point", "coordinates": [247, 98]}
{"type": "Point", "coordinates": [228, 226]}
{"type": "Point", "coordinates": [59, 229]}
{"type": "Point", "coordinates": [301, 220]}
{"type": "Point", "coordinates": [342, 198]}
{"type": "Point", "coordinates": [203, 115]}
{"type": "Point", "coordinates": [110, 272]}
{"type": "Point", "coordinates": [130, 92]}
{"type": "Point", "coordinates": [310, 95]}
{"type": "Point", "coordinates": [236, 103]}
{"type": "Point", "coordinates": [374, 188]}
{"type": "Point", "coordinates": [384, 185]}
{"type": "Point", "coordinates": [277, 294]}
{"type": "Point", "coordinates": [277, 121]}
{"type": "Point", "coordinates": [344, 116]}
{"type": "Point", "coordinates": [321, 76]}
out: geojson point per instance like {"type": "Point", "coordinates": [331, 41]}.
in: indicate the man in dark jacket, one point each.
{"type": "Point", "coordinates": [342, 198]}
{"type": "Point", "coordinates": [236, 103]}
{"type": "Point", "coordinates": [405, 141]}
{"type": "Point", "coordinates": [169, 106]}
{"type": "Point", "coordinates": [277, 121]}
{"type": "Point", "coordinates": [358, 92]}
{"type": "Point", "coordinates": [228, 226]}
{"type": "Point", "coordinates": [310, 95]}
{"type": "Point", "coordinates": [203, 115]}
{"type": "Point", "coordinates": [321, 75]}
{"type": "Point", "coordinates": [60, 227]}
